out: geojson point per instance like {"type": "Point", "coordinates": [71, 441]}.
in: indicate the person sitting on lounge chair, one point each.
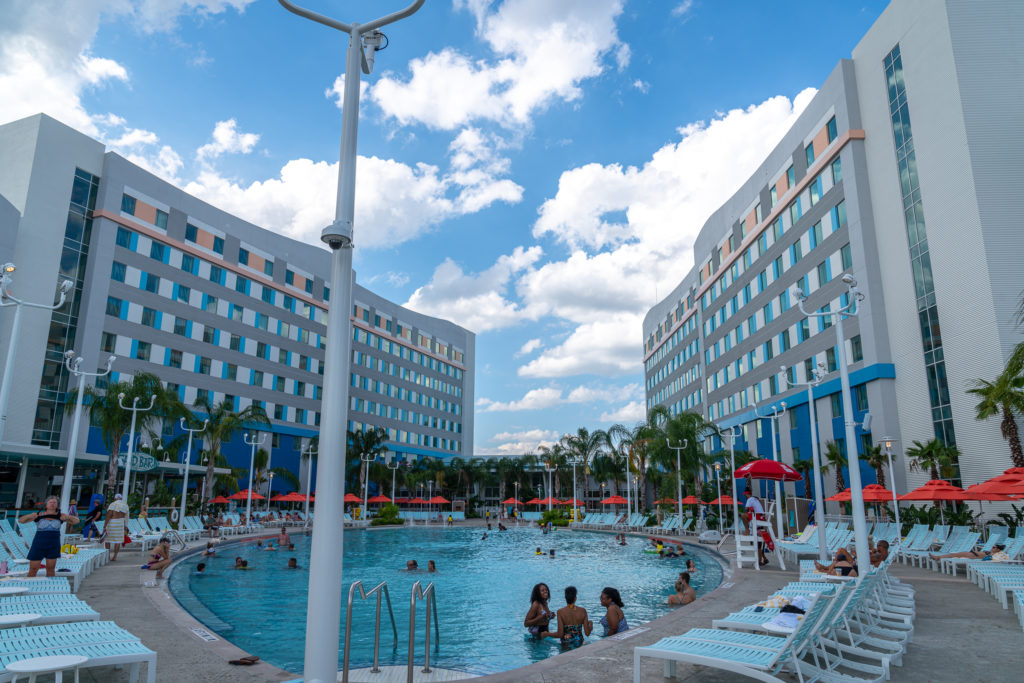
{"type": "Point", "coordinates": [989, 555]}
{"type": "Point", "coordinates": [845, 561]}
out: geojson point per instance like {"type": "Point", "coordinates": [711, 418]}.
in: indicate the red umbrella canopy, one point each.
{"type": "Point", "coordinates": [417, 501]}
{"type": "Point", "coordinates": [535, 501]}
{"type": "Point", "coordinates": [219, 500]}
{"type": "Point", "coordinates": [722, 500]}
{"type": "Point", "coordinates": [1002, 484]}
{"type": "Point", "coordinates": [691, 500]}
{"type": "Point", "coordinates": [977, 493]}
{"type": "Point", "coordinates": [352, 498]}
{"type": "Point", "coordinates": [294, 497]}
{"type": "Point", "coordinates": [438, 500]}
{"type": "Point", "coordinates": [936, 489]}
{"type": "Point", "coordinates": [280, 498]}
{"type": "Point", "coordinates": [379, 499]}
{"type": "Point", "coordinates": [614, 500]}
{"type": "Point", "coordinates": [873, 493]}
{"type": "Point", "coordinates": [549, 501]}
{"type": "Point", "coordinates": [665, 501]}
{"type": "Point", "coordinates": [402, 499]}
{"type": "Point", "coordinates": [768, 469]}
{"type": "Point", "coordinates": [511, 501]}
{"type": "Point", "coordinates": [843, 496]}
{"type": "Point", "coordinates": [572, 501]}
{"type": "Point", "coordinates": [244, 495]}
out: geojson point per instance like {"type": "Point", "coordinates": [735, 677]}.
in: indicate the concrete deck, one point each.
{"type": "Point", "coordinates": [960, 631]}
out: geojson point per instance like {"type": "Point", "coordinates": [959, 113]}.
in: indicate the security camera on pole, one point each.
{"type": "Point", "coordinates": [774, 414]}
{"type": "Point", "coordinates": [74, 366]}
{"type": "Point", "coordinates": [817, 375]}
{"type": "Point", "coordinates": [188, 461]}
{"type": "Point", "coordinates": [860, 528]}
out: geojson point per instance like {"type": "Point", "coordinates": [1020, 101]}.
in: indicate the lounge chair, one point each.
{"type": "Point", "coordinates": [51, 608]}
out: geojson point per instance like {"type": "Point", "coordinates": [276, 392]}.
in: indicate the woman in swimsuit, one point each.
{"type": "Point", "coordinates": [46, 543]}
{"type": "Point", "coordinates": [972, 554]}
{"type": "Point", "coordinates": [573, 622]}
{"type": "Point", "coordinates": [843, 564]}
{"type": "Point", "coordinates": [539, 615]}
{"type": "Point", "coordinates": [614, 621]}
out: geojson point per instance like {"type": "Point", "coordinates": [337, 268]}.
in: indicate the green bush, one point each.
{"type": "Point", "coordinates": [556, 517]}
{"type": "Point", "coordinates": [387, 516]}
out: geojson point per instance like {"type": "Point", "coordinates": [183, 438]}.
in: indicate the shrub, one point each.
{"type": "Point", "coordinates": [556, 517]}
{"type": "Point", "coordinates": [388, 516]}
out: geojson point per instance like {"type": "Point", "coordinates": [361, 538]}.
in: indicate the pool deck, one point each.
{"type": "Point", "coordinates": [959, 629]}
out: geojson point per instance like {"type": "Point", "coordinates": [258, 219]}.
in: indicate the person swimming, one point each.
{"type": "Point", "coordinates": [539, 551]}
{"type": "Point", "coordinates": [573, 622]}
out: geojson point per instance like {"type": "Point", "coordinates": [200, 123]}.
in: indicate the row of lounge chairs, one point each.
{"type": "Point", "coordinates": [71, 567]}
{"type": "Point", "coordinates": [637, 522]}
{"type": "Point", "coordinates": [852, 631]}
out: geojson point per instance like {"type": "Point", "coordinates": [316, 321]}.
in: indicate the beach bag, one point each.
{"type": "Point", "coordinates": [127, 539]}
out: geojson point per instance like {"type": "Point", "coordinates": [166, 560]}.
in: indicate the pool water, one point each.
{"type": "Point", "coordinates": [482, 587]}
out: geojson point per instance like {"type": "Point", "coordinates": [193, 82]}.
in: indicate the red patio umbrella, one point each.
{"type": "Point", "coordinates": [572, 501]}
{"type": "Point", "coordinates": [280, 498]}
{"type": "Point", "coordinates": [691, 500]}
{"type": "Point", "coordinates": [535, 501]}
{"type": "Point", "coordinates": [722, 500]}
{"type": "Point", "coordinates": [438, 500]}
{"type": "Point", "coordinates": [244, 495]}
{"type": "Point", "coordinates": [1003, 484]}
{"type": "Point", "coordinates": [379, 499]}
{"type": "Point", "coordinates": [295, 497]}
{"type": "Point", "coordinates": [665, 501]}
{"type": "Point", "coordinates": [936, 489]}
{"type": "Point", "coordinates": [614, 500]}
{"type": "Point", "coordinates": [402, 500]}
{"type": "Point", "coordinates": [873, 493]}
{"type": "Point", "coordinates": [843, 496]}
{"type": "Point", "coordinates": [511, 501]}
{"type": "Point", "coordinates": [352, 498]}
{"type": "Point", "coordinates": [978, 493]}
{"type": "Point", "coordinates": [219, 500]}
{"type": "Point", "coordinates": [549, 501]}
{"type": "Point", "coordinates": [417, 501]}
{"type": "Point", "coordinates": [768, 469]}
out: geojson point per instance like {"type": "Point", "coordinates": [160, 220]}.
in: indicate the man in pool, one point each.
{"type": "Point", "coordinates": [293, 563]}
{"type": "Point", "coordinates": [684, 594]}
{"type": "Point", "coordinates": [201, 568]}
{"type": "Point", "coordinates": [411, 566]}
{"type": "Point", "coordinates": [551, 553]}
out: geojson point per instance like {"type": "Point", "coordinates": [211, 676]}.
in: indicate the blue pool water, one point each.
{"type": "Point", "coordinates": [483, 590]}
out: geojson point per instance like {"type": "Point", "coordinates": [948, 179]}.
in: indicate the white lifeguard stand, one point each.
{"type": "Point", "coordinates": [746, 545]}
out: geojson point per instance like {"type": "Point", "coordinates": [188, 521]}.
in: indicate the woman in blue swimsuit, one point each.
{"type": "Point", "coordinates": [46, 543]}
{"type": "Point", "coordinates": [614, 621]}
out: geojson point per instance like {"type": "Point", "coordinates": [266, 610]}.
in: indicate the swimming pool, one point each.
{"type": "Point", "coordinates": [483, 589]}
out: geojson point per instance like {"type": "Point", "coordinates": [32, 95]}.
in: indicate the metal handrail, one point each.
{"type": "Point", "coordinates": [380, 589]}
{"type": "Point", "coordinates": [174, 535]}
{"type": "Point", "coordinates": [430, 595]}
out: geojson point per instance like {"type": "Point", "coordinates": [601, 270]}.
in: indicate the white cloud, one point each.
{"type": "Point", "coordinates": [642, 86]}
{"type": "Point", "coordinates": [683, 10]}
{"type": "Point", "coordinates": [227, 140]}
{"type": "Point", "coordinates": [631, 412]}
{"type": "Point", "coordinates": [154, 16]}
{"type": "Point", "coordinates": [608, 347]}
{"type": "Point", "coordinates": [532, 434]}
{"type": "Point", "coordinates": [397, 279]}
{"type": "Point", "coordinates": [542, 52]}
{"type": "Point", "coordinates": [549, 397]}
{"type": "Point", "coordinates": [529, 347]}
{"type": "Point", "coordinates": [607, 394]}
{"type": "Point", "coordinates": [337, 91]}
{"type": "Point", "coordinates": [95, 70]}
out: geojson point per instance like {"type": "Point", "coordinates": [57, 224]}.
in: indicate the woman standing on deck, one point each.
{"type": "Point", "coordinates": [113, 528]}
{"type": "Point", "coordinates": [46, 543]}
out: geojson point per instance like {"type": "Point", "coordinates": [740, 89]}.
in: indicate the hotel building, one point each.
{"type": "Point", "coordinates": [215, 306]}
{"type": "Point", "coordinates": [904, 171]}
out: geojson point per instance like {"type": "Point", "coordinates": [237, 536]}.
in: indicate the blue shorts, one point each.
{"type": "Point", "coordinates": [45, 546]}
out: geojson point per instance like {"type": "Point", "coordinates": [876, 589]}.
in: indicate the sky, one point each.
{"type": "Point", "coordinates": [534, 170]}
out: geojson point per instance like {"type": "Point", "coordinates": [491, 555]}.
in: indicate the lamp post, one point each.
{"type": "Point", "coordinates": [367, 458]}
{"type": "Point", "coordinates": [515, 505]}
{"type": "Point", "coordinates": [860, 528]}
{"type": "Point", "coordinates": [310, 452]}
{"type": "Point", "coordinates": [549, 469]}
{"type": "Point", "coordinates": [323, 617]}
{"type": "Point", "coordinates": [733, 435]}
{"type": "Point", "coordinates": [718, 490]}
{"type": "Point", "coordinates": [270, 488]}
{"type": "Point", "coordinates": [887, 447]}
{"type": "Point", "coordinates": [188, 461]}
{"type": "Point", "coordinates": [252, 442]}
{"type": "Point", "coordinates": [817, 375]}
{"type": "Point", "coordinates": [131, 435]}
{"type": "Point", "coordinates": [774, 415]}
{"type": "Point", "coordinates": [629, 488]}
{"type": "Point", "coordinates": [387, 463]}
{"type": "Point", "coordinates": [8, 299]}
{"type": "Point", "coordinates": [74, 366]}
{"type": "Point", "coordinates": [636, 483]}
{"type": "Point", "coordinates": [574, 461]}
{"type": "Point", "coordinates": [679, 474]}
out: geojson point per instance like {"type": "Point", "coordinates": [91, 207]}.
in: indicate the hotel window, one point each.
{"type": "Point", "coordinates": [775, 196]}
{"type": "Point", "coordinates": [184, 293]}
{"type": "Point", "coordinates": [300, 388]}
{"type": "Point", "coordinates": [236, 343]}
{"type": "Point", "coordinates": [174, 360]}
{"type": "Point", "coordinates": [191, 233]}
{"type": "Point", "coordinates": [156, 251]}
{"type": "Point", "coordinates": [773, 384]}
{"type": "Point", "coordinates": [108, 342]}
{"type": "Point", "coordinates": [180, 326]}
{"type": "Point", "coordinates": [309, 286]}
{"type": "Point", "coordinates": [831, 128]}
{"type": "Point", "coordinates": [816, 190]}
{"type": "Point", "coordinates": [795, 211]}
{"type": "Point", "coordinates": [218, 245]}
{"type": "Point", "coordinates": [795, 253]}
{"type": "Point", "coordinates": [282, 356]}
{"type": "Point", "coordinates": [209, 335]}
{"type": "Point", "coordinates": [830, 360]}
{"type": "Point", "coordinates": [289, 303]}
{"type": "Point", "coordinates": [202, 395]}
{"type": "Point", "coordinates": [837, 405]}
{"type": "Point", "coordinates": [777, 268]}
{"type": "Point", "coordinates": [823, 273]}
{"type": "Point", "coordinates": [762, 281]}
{"type": "Point", "coordinates": [188, 263]}
{"type": "Point", "coordinates": [261, 350]}
{"type": "Point", "coordinates": [128, 204]}
{"type": "Point", "coordinates": [268, 295]}
{"type": "Point", "coordinates": [231, 371]}
{"type": "Point", "coordinates": [846, 256]}
{"type": "Point", "coordinates": [124, 238]}
{"type": "Point", "coordinates": [280, 412]}
{"type": "Point", "coordinates": [791, 176]}
{"type": "Point", "coordinates": [762, 244]}
{"type": "Point", "coordinates": [161, 219]}
{"type": "Point", "coordinates": [204, 365]}
{"type": "Point", "coordinates": [289, 277]}
{"type": "Point", "coordinates": [241, 285]}
{"type": "Point", "coordinates": [757, 213]}
{"type": "Point", "coordinates": [243, 256]}
{"type": "Point", "coordinates": [784, 341]}
{"type": "Point", "coordinates": [117, 271]}
{"type": "Point", "coordinates": [777, 229]}
{"type": "Point", "coordinates": [142, 350]}
{"type": "Point", "coordinates": [809, 369]}
{"type": "Point", "coordinates": [257, 378]}
{"type": "Point", "coordinates": [752, 324]}
{"type": "Point", "coordinates": [769, 350]}
{"type": "Point", "coordinates": [837, 171]}
{"type": "Point", "coordinates": [210, 304]}
{"type": "Point", "coordinates": [231, 400]}
{"type": "Point", "coordinates": [148, 317]}
{"type": "Point", "coordinates": [860, 397]}
{"type": "Point", "coordinates": [262, 321]}
{"type": "Point", "coordinates": [150, 282]}
{"type": "Point", "coordinates": [810, 153]}
{"type": "Point", "coordinates": [784, 301]}
{"type": "Point", "coordinates": [815, 235]}
{"type": "Point", "coordinates": [236, 313]}
{"type": "Point", "coordinates": [278, 383]}
{"type": "Point", "coordinates": [856, 349]}
{"type": "Point", "coordinates": [216, 275]}
{"type": "Point", "coordinates": [839, 215]}
{"type": "Point", "coordinates": [805, 330]}
{"type": "Point", "coordinates": [268, 268]}
{"type": "Point", "coordinates": [767, 310]}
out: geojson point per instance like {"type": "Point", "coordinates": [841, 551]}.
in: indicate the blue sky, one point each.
{"type": "Point", "coordinates": [535, 170]}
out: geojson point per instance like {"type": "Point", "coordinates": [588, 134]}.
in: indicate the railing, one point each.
{"type": "Point", "coordinates": [176, 539]}
{"type": "Point", "coordinates": [429, 595]}
{"type": "Point", "coordinates": [380, 589]}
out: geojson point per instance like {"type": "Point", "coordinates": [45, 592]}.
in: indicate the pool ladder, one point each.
{"type": "Point", "coordinates": [427, 594]}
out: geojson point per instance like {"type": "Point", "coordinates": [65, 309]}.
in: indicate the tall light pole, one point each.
{"type": "Point", "coordinates": [817, 375]}
{"type": "Point", "coordinates": [515, 506]}
{"type": "Point", "coordinates": [733, 435]}
{"type": "Point", "coordinates": [188, 462]}
{"type": "Point", "coordinates": [860, 526]}
{"type": "Point", "coordinates": [629, 488]}
{"type": "Point", "coordinates": [74, 366]}
{"type": "Point", "coordinates": [131, 435]}
{"type": "Point", "coordinates": [679, 474]}
{"type": "Point", "coordinates": [774, 415]}
{"type": "Point", "coordinates": [252, 442]}
{"type": "Point", "coordinates": [367, 458]}
{"type": "Point", "coordinates": [549, 469]}
{"type": "Point", "coordinates": [323, 616]}
{"type": "Point", "coordinates": [310, 452]}
{"type": "Point", "coordinates": [8, 299]}
{"type": "Point", "coordinates": [718, 490]}
{"type": "Point", "coordinates": [887, 447]}
{"type": "Point", "coordinates": [575, 461]}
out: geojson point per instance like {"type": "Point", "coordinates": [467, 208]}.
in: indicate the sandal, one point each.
{"type": "Point", "coordinates": [242, 662]}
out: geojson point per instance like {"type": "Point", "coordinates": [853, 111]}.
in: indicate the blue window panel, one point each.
{"type": "Point", "coordinates": [216, 337]}
{"type": "Point", "coordinates": [188, 329]}
{"type": "Point", "coordinates": [124, 314]}
{"type": "Point", "coordinates": [135, 242]}
{"type": "Point", "coordinates": [158, 319]}
{"type": "Point", "coordinates": [196, 369]}
{"type": "Point", "coordinates": [167, 357]}
{"type": "Point", "coordinates": [135, 348]}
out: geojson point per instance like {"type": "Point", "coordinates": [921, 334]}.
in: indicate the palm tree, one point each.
{"type": "Point", "coordinates": [634, 443]}
{"type": "Point", "coordinates": [689, 429]}
{"type": "Point", "coordinates": [833, 457]}
{"type": "Point", "coordinates": [370, 442]}
{"type": "Point", "coordinates": [553, 457]}
{"type": "Point", "coordinates": [605, 468]}
{"type": "Point", "coordinates": [114, 422]}
{"type": "Point", "coordinates": [1005, 397]}
{"type": "Point", "coordinates": [584, 446]}
{"type": "Point", "coordinates": [878, 460]}
{"type": "Point", "coordinates": [934, 456]}
{"type": "Point", "coordinates": [224, 422]}
{"type": "Point", "coordinates": [805, 468]}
